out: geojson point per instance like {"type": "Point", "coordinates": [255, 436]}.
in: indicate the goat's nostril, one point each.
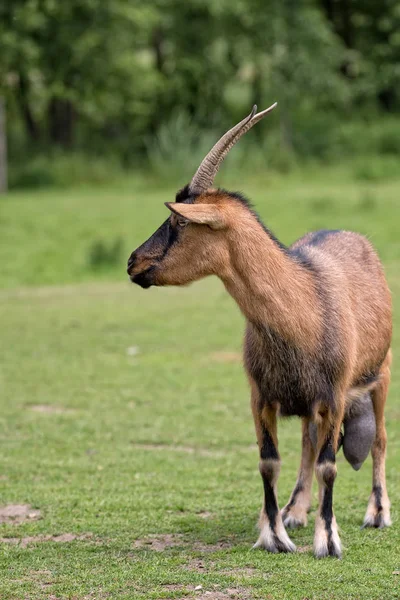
{"type": "Point", "coordinates": [131, 261]}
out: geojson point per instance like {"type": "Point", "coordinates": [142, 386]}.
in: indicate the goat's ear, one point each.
{"type": "Point", "coordinates": [205, 214]}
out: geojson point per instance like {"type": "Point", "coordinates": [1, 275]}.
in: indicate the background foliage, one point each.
{"type": "Point", "coordinates": [124, 414]}
{"type": "Point", "coordinates": [139, 81]}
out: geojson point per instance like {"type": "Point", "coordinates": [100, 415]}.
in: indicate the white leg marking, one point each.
{"type": "Point", "coordinates": [326, 544]}
{"type": "Point", "coordinates": [296, 515]}
{"type": "Point", "coordinates": [277, 541]}
{"type": "Point", "coordinates": [378, 511]}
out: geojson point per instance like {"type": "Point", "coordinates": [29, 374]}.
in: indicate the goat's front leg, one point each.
{"type": "Point", "coordinates": [295, 512]}
{"type": "Point", "coordinates": [273, 536]}
{"type": "Point", "coordinates": [326, 540]}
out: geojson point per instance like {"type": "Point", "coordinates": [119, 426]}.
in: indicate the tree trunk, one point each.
{"type": "Point", "coordinates": [347, 27]}
{"type": "Point", "coordinates": [328, 7]}
{"type": "Point", "coordinates": [3, 148]}
{"type": "Point", "coordinates": [61, 119]}
{"type": "Point", "coordinates": [31, 126]}
{"type": "Point", "coordinates": [158, 48]}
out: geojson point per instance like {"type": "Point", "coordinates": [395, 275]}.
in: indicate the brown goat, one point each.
{"type": "Point", "coordinates": [317, 338]}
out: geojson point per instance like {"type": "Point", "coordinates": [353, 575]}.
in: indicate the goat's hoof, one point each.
{"type": "Point", "coordinates": [378, 520]}
{"type": "Point", "coordinates": [331, 547]}
{"type": "Point", "coordinates": [327, 542]}
{"type": "Point", "coordinates": [269, 541]}
{"type": "Point", "coordinates": [329, 550]}
{"type": "Point", "coordinates": [293, 518]}
{"type": "Point", "coordinates": [378, 512]}
{"type": "Point", "coordinates": [274, 547]}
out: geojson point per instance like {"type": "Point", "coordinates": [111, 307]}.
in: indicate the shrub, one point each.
{"type": "Point", "coordinates": [103, 255]}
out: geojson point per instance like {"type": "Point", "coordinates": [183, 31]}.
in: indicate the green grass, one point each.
{"type": "Point", "coordinates": [150, 424]}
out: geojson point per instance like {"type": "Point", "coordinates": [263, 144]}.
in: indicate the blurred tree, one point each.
{"type": "Point", "coordinates": [3, 148]}
{"type": "Point", "coordinates": [285, 52]}
{"type": "Point", "coordinates": [79, 59]}
{"type": "Point", "coordinates": [370, 31]}
{"type": "Point", "coordinates": [100, 74]}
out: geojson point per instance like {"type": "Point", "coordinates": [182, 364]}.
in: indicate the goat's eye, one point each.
{"type": "Point", "coordinates": [182, 222]}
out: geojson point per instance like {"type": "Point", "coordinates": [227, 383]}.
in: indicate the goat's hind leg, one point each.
{"type": "Point", "coordinates": [273, 536]}
{"type": "Point", "coordinates": [295, 512]}
{"type": "Point", "coordinates": [326, 539]}
{"type": "Point", "coordinates": [378, 511]}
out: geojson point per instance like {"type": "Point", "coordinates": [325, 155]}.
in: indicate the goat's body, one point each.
{"type": "Point", "coordinates": [317, 340]}
{"type": "Point", "coordinates": [350, 347]}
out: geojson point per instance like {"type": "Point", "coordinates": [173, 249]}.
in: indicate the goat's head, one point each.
{"type": "Point", "coordinates": [192, 242]}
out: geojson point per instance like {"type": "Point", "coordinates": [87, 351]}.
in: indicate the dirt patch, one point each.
{"type": "Point", "coordinates": [226, 356]}
{"type": "Point", "coordinates": [162, 542]}
{"type": "Point", "coordinates": [198, 593]}
{"type": "Point", "coordinates": [199, 565]}
{"type": "Point", "coordinates": [228, 594]}
{"type": "Point", "coordinates": [18, 513]}
{"type": "Point", "coordinates": [48, 408]}
{"type": "Point", "coordinates": [303, 549]}
{"type": "Point", "coordinates": [39, 539]}
{"type": "Point", "coordinates": [159, 543]}
{"type": "Point", "coordinates": [243, 571]}
{"type": "Point", "coordinates": [201, 547]}
{"type": "Point", "coordinates": [184, 449]}
{"type": "Point", "coordinates": [204, 514]}
{"type": "Point", "coordinates": [42, 577]}
{"type": "Point", "coordinates": [173, 587]}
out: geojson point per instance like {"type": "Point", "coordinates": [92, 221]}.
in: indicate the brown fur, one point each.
{"type": "Point", "coordinates": [318, 335]}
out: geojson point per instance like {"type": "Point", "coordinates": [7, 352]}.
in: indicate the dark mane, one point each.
{"type": "Point", "coordinates": [246, 202]}
{"type": "Point", "coordinates": [185, 195]}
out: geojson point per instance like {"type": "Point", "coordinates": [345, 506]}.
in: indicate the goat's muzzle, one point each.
{"type": "Point", "coordinates": [144, 277]}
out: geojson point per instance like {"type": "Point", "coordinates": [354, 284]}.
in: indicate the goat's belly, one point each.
{"type": "Point", "coordinates": [286, 375]}
{"type": "Point", "coordinates": [295, 395]}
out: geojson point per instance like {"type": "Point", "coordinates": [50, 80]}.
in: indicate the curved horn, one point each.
{"type": "Point", "coordinates": [205, 174]}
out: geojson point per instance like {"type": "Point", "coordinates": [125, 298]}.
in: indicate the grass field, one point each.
{"type": "Point", "coordinates": [125, 420]}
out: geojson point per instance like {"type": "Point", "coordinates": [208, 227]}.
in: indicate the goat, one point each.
{"type": "Point", "coordinates": [317, 342]}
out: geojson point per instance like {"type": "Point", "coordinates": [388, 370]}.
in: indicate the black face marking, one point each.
{"type": "Point", "coordinates": [327, 453]}
{"type": "Point", "coordinates": [131, 262]}
{"type": "Point", "coordinates": [268, 449]}
{"type": "Point", "coordinates": [172, 238]}
{"type": "Point", "coordinates": [144, 279]}
{"type": "Point", "coordinates": [157, 247]}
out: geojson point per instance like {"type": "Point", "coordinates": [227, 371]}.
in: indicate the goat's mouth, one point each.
{"type": "Point", "coordinates": [145, 279]}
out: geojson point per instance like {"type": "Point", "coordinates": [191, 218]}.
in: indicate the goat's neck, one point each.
{"type": "Point", "coordinates": [270, 287]}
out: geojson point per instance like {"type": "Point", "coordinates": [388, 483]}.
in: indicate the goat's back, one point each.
{"type": "Point", "coordinates": [357, 298]}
